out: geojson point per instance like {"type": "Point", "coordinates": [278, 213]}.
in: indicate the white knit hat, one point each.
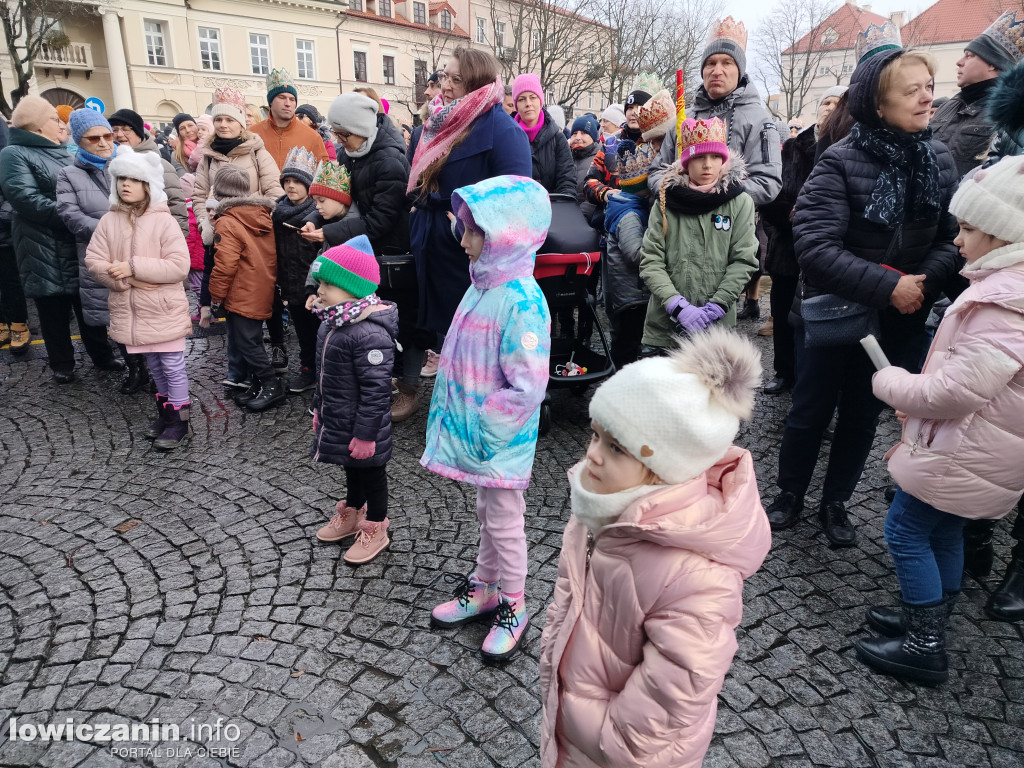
{"type": "Point", "coordinates": [679, 414]}
{"type": "Point", "coordinates": [143, 166]}
{"type": "Point", "coordinates": [993, 200]}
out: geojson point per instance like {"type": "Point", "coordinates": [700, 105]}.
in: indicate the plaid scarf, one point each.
{"type": "Point", "coordinates": [444, 127]}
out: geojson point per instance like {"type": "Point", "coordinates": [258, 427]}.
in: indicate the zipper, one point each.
{"type": "Point", "coordinates": [590, 551]}
{"type": "Point", "coordinates": [131, 288]}
{"type": "Point", "coordinates": [320, 385]}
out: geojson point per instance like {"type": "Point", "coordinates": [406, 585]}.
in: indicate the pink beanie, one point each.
{"type": "Point", "coordinates": [702, 137]}
{"type": "Point", "coordinates": [528, 83]}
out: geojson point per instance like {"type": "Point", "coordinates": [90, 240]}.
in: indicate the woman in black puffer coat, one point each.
{"type": "Point", "coordinates": [871, 225]}
{"type": "Point", "coordinates": [553, 166]}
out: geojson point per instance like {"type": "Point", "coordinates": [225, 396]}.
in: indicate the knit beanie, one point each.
{"type": "Point", "coordinates": [702, 137]}
{"type": "Point", "coordinates": [350, 266]}
{"type": "Point", "coordinates": [64, 112]}
{"type": "Point", "coordinates": [728, 37]}
{"type": "Point", "coordinates": [311, 112]}
{"type": "Point", "coordinates": [835, 90]}
{"type": "Point", "coordinates": [230, 102]}
{"type": "Point", "coordinates": [863, 94]}
{"type": "Point", "coordinates": [32, 113]}
{"type": "Point", "coordinates": [231, 181]}
{"type": "Point", "coordinates": [131, 119]}
{"type": "Point", "coordinates": [678, 415]}
{"type": "Point", "coordinates": [207, 120]}
{"type": "Point", "coordinates": [993, 200]}
{"type": "Point", "coordinates": [528, 83]}
{"type": "Point", "coordinates": [81, 120]}
{"type": "Point", "coordinates": [141, 166]}
{"type": "Point", "coordinates": [188, 185]}
{"type": "Point", "coordinates": [588, 125]}
{"type": "Point", "coordinates": [636, 99]}
{"type": "Point", "coordinates": [614, 113]}
{"type": "Point", "coordinates": [353, 113]}
{"type": "Point", "coordinates": [1002, 44]}
{"type": "Point", "coordinates": [181, 117]}
{"type": "Point", "coordinates": [657, 116]}
{"type": "Point", "coordinates": [279, 81]}
{"type": "Point", "coordinates": [332, 181]}
{"type": "Point", "coordinates": [300, 164]}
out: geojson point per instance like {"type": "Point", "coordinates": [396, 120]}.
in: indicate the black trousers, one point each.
{"type": "Point", "coordinates": [627, 329]}
{"type": "Point", "coordinates": [782, 295]}
{"type": "Point", "coordinates": [246, 336]}
{"type": "Point", "coordinates": [275, 323]}
{"type": "Point", "coordinates": [306, 327]}
{"type": "Point", "coordinates": [55, 325]}
{"type": "Point", "coordinates": [828, 378]}
{"type": "Point", "coordinates": [369, 486]}
{"type": "Point", "coordinates": [13, 308]}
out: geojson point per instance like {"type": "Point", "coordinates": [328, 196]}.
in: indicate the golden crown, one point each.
{"type": "Point", "coordinates": [333, 176]}
{"type": "Point", "coordinates": [633, 166]}
{"type": "Point", "coordinates": [694, 132]}
{"type": "Point", "coordinates": [1008, 33]}
{"type": "Point", "coordinates": [729, 29]}
{"type": "Point", "coordinates": [657, 115]}
{"type": "Point", "coordinates": [877, 38]}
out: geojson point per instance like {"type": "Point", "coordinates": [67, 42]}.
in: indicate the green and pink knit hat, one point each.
{"type": "Point", "coordinates": [350, 266]}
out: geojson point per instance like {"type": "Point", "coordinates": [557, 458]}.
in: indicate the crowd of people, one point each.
{"type": "Point", "coordinates": [885, 217]}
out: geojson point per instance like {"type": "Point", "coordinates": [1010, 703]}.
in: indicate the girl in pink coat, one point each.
{"type": "Point", "coordinates": [963, 428]}
{"type": "Point", "coordinates": [666, 524]}
{"type": "Point", "coordinates": [139, 253]}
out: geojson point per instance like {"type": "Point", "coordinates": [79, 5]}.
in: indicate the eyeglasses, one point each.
{"type": "Point", "coordinates": [97, 139]}
{"type": "Point", "coordinates": [453, 79]}
{"type": "Point", "coordinates": [341, 135]}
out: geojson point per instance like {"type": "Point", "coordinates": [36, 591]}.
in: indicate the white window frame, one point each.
{"type": "Point", "coordinates": [211, 44]}
{"type": "Point", "coordinates": [445, 20]}
{"type": "Point", "coordinates": [381, 6]}
{"type": "Point", "coordinates": [150, 49]}
{"type": "Point", "coordinates": [499, 34]}
{"type": "Point", "coordinates": [300, 53]}
{"type": "Point", "coordinates": [535, 41]}
{"type": "Point", "coordinates": [481, 30]}
{"type": "Point", "coordinates": [366, 66]}
{"type": "Point", "coordinates": [254, 47]}
{"type": "Point", "coordinates": [419, 13]}
{"type": "Point", "coordinates": [384, 68]}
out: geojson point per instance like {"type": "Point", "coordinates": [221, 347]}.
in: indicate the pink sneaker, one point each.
{"type": "Point", "coordinates": [371, 539]}
{"type": "Point", "coordinates": [344, 523]}
{"type": "Point", "coordinates": [429, 369]}
{"type": "Point", "coordinates": [474, 600]}
{"type": "Point", "coordinates": [510, 622]}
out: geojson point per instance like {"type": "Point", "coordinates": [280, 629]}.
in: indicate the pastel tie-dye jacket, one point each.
{"type": "Point", "coordinates": [482, 427]}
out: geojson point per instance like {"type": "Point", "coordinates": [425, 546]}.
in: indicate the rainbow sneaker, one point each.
{"type": "Point", "coordinates": [474, 600]}
{"type": "Point", "coordinates": [510, 623]}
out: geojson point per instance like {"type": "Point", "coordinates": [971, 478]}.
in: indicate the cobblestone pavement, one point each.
{"type": "Point", "coordinates": [189, 588]}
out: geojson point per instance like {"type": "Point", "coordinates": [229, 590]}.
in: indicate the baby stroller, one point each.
{"type": "Point", "coordinates": [566, 267]}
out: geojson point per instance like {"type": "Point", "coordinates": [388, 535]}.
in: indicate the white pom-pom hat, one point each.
{"type": "Point", "coordinates": [141, 166]}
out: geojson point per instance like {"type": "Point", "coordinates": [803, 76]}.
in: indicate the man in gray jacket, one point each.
{"type": "Point", "coordinates": [130, 130]}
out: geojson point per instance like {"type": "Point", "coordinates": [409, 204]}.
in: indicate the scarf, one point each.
{"type": "Point", "coordinates": [621, 204]}
{"type": "Point", "coordinates": [223, 146]}
{"type": "Point", "coordinates": [94, 160]}
{"type": "Point", "coordinates": [689, 202]}
{"type": "Point", "coordinates": [446, 126]}
{"type": "Point", "coordinates": [531, 133]}
{"type": "Point", "coordinates": [596, 510]}
{"type": "Point", "coordinates": [190, 147]}
{"type": "Point", "coordinates": [287, 212]}
{"type": "Point", "coordinates": [908, 164]}
{"type": "Point", "coordinates": [365, 149]}
{"type": "Point", "coordinates": [345, 313]}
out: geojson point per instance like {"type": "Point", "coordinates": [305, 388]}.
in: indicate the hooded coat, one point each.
{"type": "Point", "coordinates": [1006, 111]}
{"type": "Point", "coordinates": [697, 256]}
{"type": "Point", "coordinates": [155, 248]}
{"type": "Point", "coordinates": [753, 134]}
{"type": "Point", "coordinates": [245, 261]}
{"type": "Point", "coordinates": [961, 445]}
{"type": "Point", "coordinates": [553, 166]}
{"type": "Point", "coordinates": [641, 630]}
{"type": "Point", "coordinates": [493, 372]}
{"type": "Point", "coordinates": [295, 254]}
{"type": "Point", "coordinates": [45, 249]}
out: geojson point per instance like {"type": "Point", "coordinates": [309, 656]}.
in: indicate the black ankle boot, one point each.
{"type": "Point", "coordinates": [888, 620]}
{"type": "Point", "coordinates": [1007, 602]}
{"type": "Point", "coordinates": [785, 511]}
{"type": "Point", "coordinates": [978, 552]}
{"type": "Point", "coordinates": [919, 655]}
{"type": "Point", "coordinates": [750, 310]}
{"type": "Point", "coordinates": [157, 426]}
{"type": "Point", "coordinates": [271, 393]}
{"type": "Point", "coordinates": [243, 399]}
{"type": "Point", "coordinates": [138, 375]}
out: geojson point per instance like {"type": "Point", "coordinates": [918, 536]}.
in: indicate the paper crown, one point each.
{"type": "Point", "coordinates": [229, 96]}
{"type": "Point", "coordinates": [695, 132]}
{"type": "Point", "coordinates": [332, 180]}
{"type": "Point", "coordinates": [280, 81]}
{"type": "Point", "coordinates": [657, 115]}
{"type": "Point", "coordinates": [1008, 33]}
{"type": "Point", "coordinates": [877, 38]}
{"type": "Point", "coordinates": [633, 166]}
{"type": "Point", "coordinates": [300, 164]}
{"type": "Point", "coordinates": [729, 29]}
{"type": "Point", "coordinates": [648, 82]}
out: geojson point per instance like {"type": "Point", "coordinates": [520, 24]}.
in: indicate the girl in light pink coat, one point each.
{"type": "Point", "coordinates": [666, 524]}
{"type": "Point", "coordinates": [963, 428]}
{"type": "Point", "coordinates": [139, 253]}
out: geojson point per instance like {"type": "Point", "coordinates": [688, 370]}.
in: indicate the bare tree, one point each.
{"type": "Point", "coordinates": [792, 43]}
{"type": "Point", "coordinates": [28, 26]}
{"type": "Point", "coordinates": [680, 42]}
{"type": "Point", "coordinates": [631, 26]}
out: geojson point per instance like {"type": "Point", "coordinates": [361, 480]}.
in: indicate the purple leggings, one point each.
{"type": "Point", "coordinates": [168, 369]}
{"type": "Point", "coordinates": [502, 555]}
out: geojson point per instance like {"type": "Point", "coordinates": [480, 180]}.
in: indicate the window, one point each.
{"type": "Point", "coordinates": [209, 48]}
{"type": "Point", "coordinates": [499, 33]}
{"type": "Point", "coordinates": [535, 40]}
{"type": "Point", "coordinates": [359, 63]}
{"type": "Point", "coordinates": [304, 60]}
{"type": "Point", "coordinates": [385, 8]}
{"type": "Point", "coordinates": [259, 54]}
{"type": "Point", "coordinates": [419, 13]}
{"type": "Point", "coordinates": [389, 70]}
{"type": "Point", "coordinates": [481, 30]}
{"type": "Point", "coordinates": [830, 37]}
{"type": "Point", "coordinates": [420, 73]}
{"type": "Point", "coordinates": [823, 71]}
{"type": "Point", "coordinates": [446, 18]}
{"type": "Point", "coordinates": [355, 5]}
{"type": "Point", "coordinates": [155, 50]}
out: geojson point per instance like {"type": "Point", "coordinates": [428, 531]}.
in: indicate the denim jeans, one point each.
{"type": "Point", "coordinates": [927, 546]}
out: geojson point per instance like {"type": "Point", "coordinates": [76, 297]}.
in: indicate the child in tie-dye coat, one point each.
{"type": "Point", "coordinates": [482, 427]}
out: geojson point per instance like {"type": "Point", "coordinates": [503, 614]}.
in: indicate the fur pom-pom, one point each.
{"type": "Point", "coordinates": [1005, 105]}
{"type": "Point", "coordinates": [728, 364]}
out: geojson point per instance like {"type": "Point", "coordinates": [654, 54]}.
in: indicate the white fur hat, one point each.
{"type": "Point", "coordinates": [993, 200]}
{"type": "Point", "coordinates": [143, 166]}
{"type": "Point", "coordinates": [679, 414]}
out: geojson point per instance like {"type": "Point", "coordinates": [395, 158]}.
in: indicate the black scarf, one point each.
{"type": "Point", "coordinates": [679, 198]}
{"type": "Point", "coordinates": [906, 160]}
{"type": "Point", "coordinates": [287, 212]}
{"type": "Point", "coordinates": [223, 146]}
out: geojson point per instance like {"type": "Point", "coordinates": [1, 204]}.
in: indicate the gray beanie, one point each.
{"type": "Point", "coordinates": [730, 48]}
{"type": "Point", "coordinates": [354, 113]}
{"type": "Point", "coordinates": [835, 90]}
{"type": "Point", "coordinates": [1001, 44]}
{"type": "Point", "coordinates": [231, 181]}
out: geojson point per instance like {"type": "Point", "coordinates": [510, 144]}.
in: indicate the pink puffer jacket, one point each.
{"type": "Point", "coordinates": [962, 449]}
{"type": "Point", "coordinates": [157, 251]}
{"type": "Point", "coordinates": [641, 631]}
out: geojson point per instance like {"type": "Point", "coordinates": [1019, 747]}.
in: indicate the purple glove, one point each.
{"type": "Point", "coordinates": [712, 312]}
{"type": "Point", "coordinates": [361, 449]}
{"type": "Point", "coordinates": [691, 318]}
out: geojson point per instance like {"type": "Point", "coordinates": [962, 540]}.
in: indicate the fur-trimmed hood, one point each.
{"type": "Point", "coordinates": [234, 202]}
{"type": "Point", "coordinates": [142, 166]}
{"type": "Point", "coordinates": [734, 171]}
{"type": "Point", "coordinates": [1005, 107]}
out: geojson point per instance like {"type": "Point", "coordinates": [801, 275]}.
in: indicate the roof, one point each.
{"type": "Point", "coordinates": [953, 21]}
{"type": "Point", "coordinates": [848, 21]}
{"type": "Point", "coordinates": [438, 7]}
{"type": "Point", "coordinates": [455, 31]}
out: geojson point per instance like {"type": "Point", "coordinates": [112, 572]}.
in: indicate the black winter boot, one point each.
{"type": "Point", "coordinates": [751, 310]}
{"type": "Point", "coordinates": [138, 375]}
{"type": "Point", "coordinates": [243, 399]}
{"type": "Point", "coordinates": [176, 433]}
{"type": "Point", "coordinates": [888, 621]}
{"type": "Point", "coordinates": [158, 425]}
{"type": "Point", "coordinates": [919, 655]}
{"type": "Point", "coordinates": [1007, 602]}
{"type": "Point", "coordinates": [271, 393]}
{"type": "Point", "coordinates": [978, 552]}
